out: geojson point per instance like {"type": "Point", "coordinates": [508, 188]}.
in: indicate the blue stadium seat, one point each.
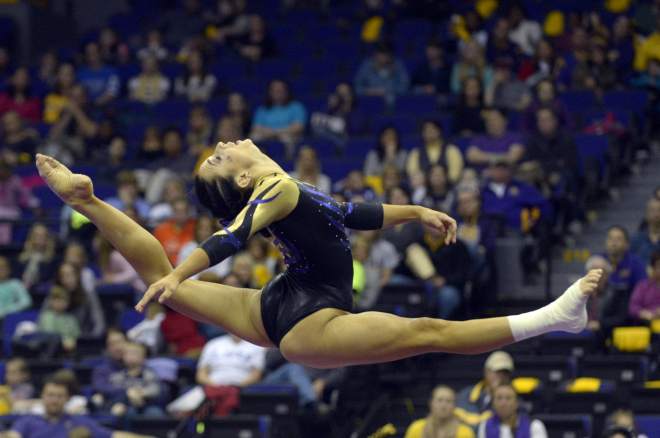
{"type": "Point", "coordinates": [623, 368]}
{"type": "Point", "coordinates": [216, 107]}
{"type": "Point", "coordinates": [171, 111]}
{"type": "Point", "coordinates": [338, 169]}
{"type": "Point", "coordinates": [592, 147]}
{"type": "Point", "coordinates": [568, 425]}
{"type": "Point", "coordinates": [9, 324]}
{"type": "Point", "coordinates": [416, 103]}
{"type": "Point", "coordinates": [371, 104]}
{"type": "Point", "coordinates": [129, 319]}
{"type": "Point", "coordinates": [648, 425]}
{"type": "Point", "coordinates": [48, 199]}
{"type": "Point", "coordinates": [358, 148]}
{"type": "Point", "coordinates": [576, 101]}
{"type": "Point", "coordinates": [405, 124]}
{"type": "Point", "coordinates": [631, 100]}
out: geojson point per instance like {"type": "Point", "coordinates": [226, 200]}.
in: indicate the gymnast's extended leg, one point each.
{"type": "Point", "coordinates": [331, 338]}
{"type": "Point", "coordinates": [236, 310]}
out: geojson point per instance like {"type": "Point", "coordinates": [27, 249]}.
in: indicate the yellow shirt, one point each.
{"type": "Point", "coordinates": [416, 430]}
{"type": "Point", "coordinates": [647, 50]}
{"type": "Point", "coordinates": [454, 161]}
{"type": "Point", "coordinates": [53, 105]}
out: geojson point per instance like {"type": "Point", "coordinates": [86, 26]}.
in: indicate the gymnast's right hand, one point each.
{"type": "Point", "coordinates": [161, 290]}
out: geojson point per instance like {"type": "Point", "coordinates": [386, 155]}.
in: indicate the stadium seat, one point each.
{"type": "Point", "coordinates": [564, 426]}
{"type": "Point", "coordinates": [648, 425]}
{"type": "Point", "coordinates": [578, 101]}
{"type": "Point", "coordinates": [9, 324]}
{"type": "Point", "coordinates": [549, 369]}
{"type": "Point", "coordinates": [631, 339]}
{"type": "Point", "coordinates": [631, 100]}
{"type": "Point", "coordinates": [237, 426]}
{"type": "Point", "coordinates": [274, 400]}
{"type": "Point", "coordinates": [621, 368]}
{"type": "Point", "coordinates": [405, 300]}
{"type": "Point", "coordinates": [161, 427]}
{"type": "Point", "coordinates": [645, 400]}
{"type": "Point", "coordinates": [575, 344]}
{"type": "Point", "coordinates": [129, 319]}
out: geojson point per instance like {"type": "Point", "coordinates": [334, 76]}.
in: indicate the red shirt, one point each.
{"type": "Point", "coordinates": [29, 109]}
{"type": "Point", "coordinates": [173, 237]}
{"type": "Point", "coordinates": [182, 332]}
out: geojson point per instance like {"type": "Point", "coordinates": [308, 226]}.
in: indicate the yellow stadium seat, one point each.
{"type": "Point", "coordinates": [655, 326]}
{"type": "Point", "coordinates": [652, 384]}
{"type": "Point", "coordinates": [631, 339]}
{"type": "Point", "coordinates": [525, 385]}
{"type": "Point", "coordinates": [584, 384]}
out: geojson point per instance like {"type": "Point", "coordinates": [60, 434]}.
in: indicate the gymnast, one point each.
{"type": "Point", "coordinates": [306, 310]}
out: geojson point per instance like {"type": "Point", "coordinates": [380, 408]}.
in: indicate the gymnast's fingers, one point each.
{"type": "Point", "coordinates": [451, 231]}
{"type": "Point", "coordinates": [167, 293]}
{"type": "Point", "coordinates": [147, 297]}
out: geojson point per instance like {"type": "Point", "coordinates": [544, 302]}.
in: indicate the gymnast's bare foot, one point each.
{"type": "Point", "coordinates": [72, 188]}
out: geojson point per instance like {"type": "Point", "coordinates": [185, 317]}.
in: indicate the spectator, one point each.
{"type": "Point", "coordinates": [256, 45]}
{"type": "Point", "coordinates": [128, 194]}
{"type": "Point", "coordinates": [112, 159]}
{"type": "Point", "coordinates": [308, 169]}
{"type": "Point", "coordinates": [497, 145]}
{"type": "Point", "coordinates": [173, 189]}
{"type": "Point", "coordinates": [649, 48]}
{"type": "Point", "coordinates": [84, 303]}
{"type": "Point", "coordinates": [197, 85]}
{"type": "Point", "coordinates": [154, 47]}
{"type": "Point", "coordinates": [101, 82]}
{"type": "Point", "coordinates": [546, 97]}
{"type": "Point", "coordinates": [379, 260]}
{"type": "Point", "coordinates": [74, 127]}
{"type": "Point", "coordinates": [435, 150]}
{"type": "Point", "coordinates": [545, 65]}
{"type": "Point", "coordinates": [500, 47]}
{"type": "Point", "coordinates": [47, 70]}
{"type": "Point", "coordinates": [13, 295]}
{"type": "Point", "coordinates": [468, 119]}
{"type": "Point", "coordinates": [228, 22]}
{"type": "Point", "coordinates": [473, 403]}
{"type": "Point", "coordinates": [110, 363]}
{"type": "Point", "coordinates": [76, 254]}
{"type": "Point", "coordinates": [174, 233]}
{"type": "Point", "coordinates": [135, 388]}
{"type": "Point", "coordinates": [77, 403]}
{"type": "Point", "coordinates": [382, 75]}
{"type": "Point", "coordinates": [628, 269]}
{"type": "Point", "coordinates": [36, 262]}
{"type": "Point", "coordinates": [552, 164]}
{"type": "Point", "coordinates": [182, 23]}
{"type": "Point", "coordinates": [55, 101]}
{"type": "Point", "coordinates": [5, 64]}
{"type": "Point", "coordinates": [182, 335]}
{"type": "Point", "coordinates": [432, 75]}
{"type": "Point", "coordinates": [147, 332]}
{"type": "Point", "coordinates": [200, 130]}
{"type": "Point", "coordinates": [242, 269]}
{"type": "Point", "coordinates": [55, 423]}
{"type": "Point", "coordinates": [388, 151]}
{"type": "Point", "coordinates": [226, 361]}
{"type": "Point", "coordinates": [205, 227]}
{"type": "Point", "coordinates": [508, 420]}
{"type": "Point", "coordinates": [17, 382]}
{"type": "Point", "coordinates": [14, 196]}
{"type": "Point", "coordinates": [151, 148]}
{"type": "Point", "coordinates": [647, 239]}
{"type": "Point", "coordinates": [575, 69]}
{"type": "Point", "coordinates": [622, 419]}
{"type": "Point", "coordinates": [150, 86]}
{"type": "Point", "coordinates": [441, 420]}
{"type": "Point", "coordinates": [19, 97]}
{"type": "Point", "coordinates": [438, 194]}
{"type": "Point", "coordinates": [18, 141]}
{"type": "Point", "coordinates": [506, 91]}
{"type": "Point", "coordinates": [238, 111]}
{"type": "Point", "coordinates": [392, 178]}
{"type": "Point", "coordinates": [645, 300]}
{"type": "Point", "coordinates": [115, 269]}
{"type": "Point", "coordinates": [281, 118]}
{"type": "Point", "coordinates": [622, 51]}
{"type": "Point", "coordinates": [524, 33]}
{"type": "Point", "coordinates": [333, 123]}
{"type": "Point", "coordinates": [56, 319]}
{"type": "Point", "coordinates": [471, 63]}
{"type": "Point", "coordinates": [353, 188]}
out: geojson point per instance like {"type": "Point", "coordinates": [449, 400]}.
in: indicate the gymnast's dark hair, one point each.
{"type": "Point", "coordinates": [221, 197]}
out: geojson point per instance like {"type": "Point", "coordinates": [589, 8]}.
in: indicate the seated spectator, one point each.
{"type": "Point", "coordinates": [474, 402]}
{"type": "Point", "coordinates": [432, 75]}
{"type": "Point", "coordinates": [392, 178]}
{"type": "Point", "coordinates": [435, 150]}
{"type": "Point", "coordinates": [388, 151]}
{"type": "Point", "coordinates": [468, 119]}
{"type": "Point", "coordinates": [14, 196]}
{"type": "Point", "coordinates": [499, 45]}
{"type": "Point", "coordinates": [136, 388]}
{"type": "Point", "coordinates": [18, 141]}
{"type": "Point", "coordinates": [56, 319]}
{"type": "Point", "coordinates": [628, 269]}
{"type": "Point", "coordinates": [226, 361]}
{"type": "Point", "coordinates": [128, 194]}
{"type": "Point", "coordinates": [622, 421]}
{"type": "Point", "coordinates": [55, 101]}
{"type": "Point", "coordinates": [37, 261]}
{"type": "Point", "coordinates": [19, 97]}
{"type": "Point", "coordinates": [228, 22]}
{"type": "Point", "coordinates": [150, 86]}
{"type": "Point", "coordinates": [506, 91]}
{"type": "Point", "coordinates": [545, 97]}
{"type": "Point", "coordinates": [72, 129]}
{"type": "Point", "coordinates": [181, 335]}
{"type": "Point", "coordinates": [242, 269]}
{"type": "Point", "coordinates": [176, 232]}
{"type": "Point", "coordinates": [648, 49]}
{"type": "Point", "coordinates": [441, 420]}
{"type": "Point", "coordinates": [151, 148]}
{"type": "Point", "coordinates": [308, 169]}
{"type": "Point", "coordinates": [173, 189]}
{"type": "Point", "coordinates": [46, 71]}
{"type": "Point", "coordinates": [498, 144]}
{"type": "Point", "coordinates": [354, 189]}
{"type": "Point", "coordinates": [600, 68]}
{"type": "Point", "coordinates": [13, 295]}
{"type": "Point", "coordinates": [200, 131]}
{"type": "Point", "coordinates": [437, 193]}
{"type": "Point", "coordinates": [76, 254]}
{"type": "Point", "coordinates": [281, 118]}
{"type": "Point", "coordinates": [645, 300]}
{"type": "Point", "coordinates": [471, 63]}
{"type": "Point", "coordinates": [110, 363]}
{"type": "Point", "coordinates": [197, 85]}
{"type": "Point", "coordinates": [55, 423]}
{"type": "Point", "coordinates": [112, 158]}
{"type": "Point", "coordinates": [382, 75]}
{"type": "Point", "coordinates": [238, 111]}
{"type": "Point", "coordinates": [85, 304]}
{"type": "Point", "coordinates": [332, 123]}
{"type": "Point", "coordinates": [205, 227]}
{"type": "Point", "coordinates": [109, 45]}
{"type": "Point", "coordinates": [647, 240]}
{"type": "Point", "coordinates": [115, 269]}
{"type": "Point", "coordinates": [379, 258]}
{"type": "Point", "coordinates": [256, 44]}
{"type": "Point", "coordinates": [154, 47]}
{"type": "Point", "coordinates": [76, 405]}
{"type": "Point", "coordinates": [552, 164]}
{"type": "Point", "coordinates": [17, 388]}
{"type": "Point", "coordinates": [544, 66]}
{"type": "Point", "coordinates": [523, 32]}
{"type": "Point", "coordinates": [507, 418]}
{"type": "Point", "coordinates": [100, 81]}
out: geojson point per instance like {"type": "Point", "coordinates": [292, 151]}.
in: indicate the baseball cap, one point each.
{"type": "Point", "coordinates": [499, 361]}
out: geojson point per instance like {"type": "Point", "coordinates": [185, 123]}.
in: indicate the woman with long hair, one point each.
{"type": "Point", "coordinates": [441, 421]}
{"type": "Point", "coordinates": [306, 310]}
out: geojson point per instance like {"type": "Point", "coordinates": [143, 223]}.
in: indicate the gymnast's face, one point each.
{"type": "Point", "coordinates": [230, 160]}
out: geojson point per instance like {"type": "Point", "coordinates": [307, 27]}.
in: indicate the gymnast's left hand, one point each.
{"type": "Point", "coordinates": [161, 290]}
{"type": "Point", "coordinates": [440, 222]}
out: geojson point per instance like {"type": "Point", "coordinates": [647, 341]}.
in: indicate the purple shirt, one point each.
{"type": "Point", "coordinates": [33, 426]}
{"type": "Point", "coordinates": [497, 145]}
{"type": "Point", "coordinates": [646, 296]}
